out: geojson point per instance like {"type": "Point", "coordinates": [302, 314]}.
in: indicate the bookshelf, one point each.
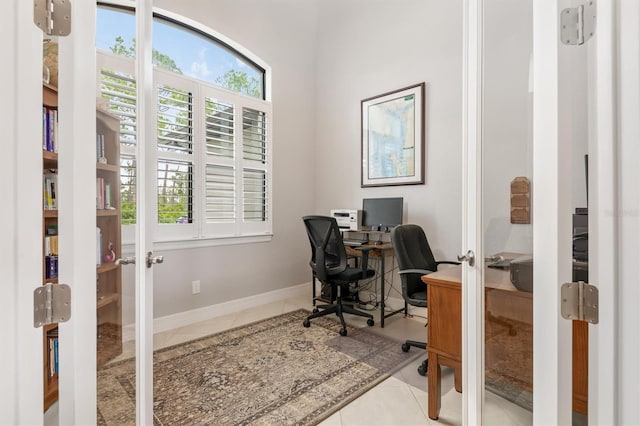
{"type": "Point", "coordinates": [108, 274]}
{"type": "Point", "coordinates": [49, 247]}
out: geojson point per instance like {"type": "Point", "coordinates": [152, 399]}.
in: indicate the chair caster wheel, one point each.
{"type": "Point", "coordinates": [405, 347]}
{"type": "Point", "coordinates": [422, 371]}
{"type": "Point", "coordinates": [306, 323]}
{"type": "Point", "coordinates": [315, 310]}
{"type": "Point", "coordinates": [370, 322]}
{"type": "Point", "coordinates": [343, 331]}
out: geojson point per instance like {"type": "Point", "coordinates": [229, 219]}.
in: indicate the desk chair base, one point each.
{"type": "Point", "coordinates": [339, 309]}
{"type": "Point", "coordinates": [422, 370]}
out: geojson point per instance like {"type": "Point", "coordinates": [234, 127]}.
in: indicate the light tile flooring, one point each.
{"type": "Point", "coordinates": [399, 400]}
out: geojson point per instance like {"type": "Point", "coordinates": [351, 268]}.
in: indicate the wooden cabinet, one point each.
{"type": "Point", "coordinates": [509, 310]}
{"type": "Point", "coordinates": [108, 232]}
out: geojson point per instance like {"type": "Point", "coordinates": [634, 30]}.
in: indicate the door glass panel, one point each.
{"type": "Point", "coordinates": [115, 280]}
{"type": "Point", "coordinates": [508, 230]}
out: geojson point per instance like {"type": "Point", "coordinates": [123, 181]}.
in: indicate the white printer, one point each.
{"type": "Point", "coordinates": [348, 219]}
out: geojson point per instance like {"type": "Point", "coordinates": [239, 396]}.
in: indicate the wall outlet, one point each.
{"type": "Point", "coordinates": [195, 287]}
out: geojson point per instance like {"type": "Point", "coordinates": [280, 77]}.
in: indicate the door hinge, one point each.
{"type": "Point", "coordinates": [53, 16]}
{"type": "Point", "coordinates": [577, 24]}
{"type": "Point", "coordinates": [51, 304]}
{"type": "Point", "coordinates": [579, 302]}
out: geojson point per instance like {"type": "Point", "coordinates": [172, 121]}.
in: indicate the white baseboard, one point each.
{"type": "Point", "coordinates": [182, 319]}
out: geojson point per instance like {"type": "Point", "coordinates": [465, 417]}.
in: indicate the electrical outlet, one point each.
{"type": "Point", "coordinates": [195, 287]}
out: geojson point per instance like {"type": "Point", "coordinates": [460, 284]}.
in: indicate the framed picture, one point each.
{"type": "Point", "coordinates": [393, 138]}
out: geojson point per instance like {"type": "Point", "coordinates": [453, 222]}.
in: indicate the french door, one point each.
{"type": "Point", "coordinates": [21, 398]}
{"type": "Point", "coordinates": [539, 141]}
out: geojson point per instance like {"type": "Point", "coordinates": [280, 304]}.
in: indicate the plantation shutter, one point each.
{"type": "Point", "coordinates": [175, 163]}
{"type": "Point", "coordinates": [254, 150]}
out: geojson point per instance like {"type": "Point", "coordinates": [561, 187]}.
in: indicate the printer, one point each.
{"type": "Point", "coordinates": [348, 219]}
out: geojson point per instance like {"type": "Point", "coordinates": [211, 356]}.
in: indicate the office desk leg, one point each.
{"type": "Point", "coordinates": [382, 290]}
{"type": "Point", "coordinates": [435, 379]}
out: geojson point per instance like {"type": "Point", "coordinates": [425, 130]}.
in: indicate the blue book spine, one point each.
{"type": "Point", "coordinates": [55, 355]}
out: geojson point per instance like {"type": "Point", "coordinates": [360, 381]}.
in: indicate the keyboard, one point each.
{"type": "Point", "coordinates": [354, 242]}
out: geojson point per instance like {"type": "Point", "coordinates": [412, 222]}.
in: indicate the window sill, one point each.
{"type": "Point", "coordinates": [191, 243]}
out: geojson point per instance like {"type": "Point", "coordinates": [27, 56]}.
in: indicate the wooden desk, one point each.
{"type": "Point", "coordinates": [378, 252]}
{"type": "Point", "coordinates": [508, 335]}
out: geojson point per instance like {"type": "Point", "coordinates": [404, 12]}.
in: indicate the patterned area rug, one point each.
{"type": "Point", "coordinates": [272, 372]}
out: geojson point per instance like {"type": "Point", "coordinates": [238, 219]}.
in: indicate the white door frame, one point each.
{"type": "Point", "coordinates": [552, 210]}
{"type": "Point", "coordinates": [77, 219]}
{"type": "Point", "coordinates": [22, 391]}
{"type": "Point", "coordinates": [472, 291]}
{"type": "Point", "coordinates": [145, 194]}
{"type": "Point", "coordinates": [615, 341]}
{"type": "Point", "coordinates": [21, 388]}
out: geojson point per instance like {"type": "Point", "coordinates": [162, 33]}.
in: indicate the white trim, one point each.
{"type": "Point", "coordinates": [603, 238]}
{"type": "Point", "coordinates": [77, 221]}
{"type": "Point", "coordinates": [552, 218]}
{"type": "Point", "coordinates": [145, 176]}
{"type": "Point", "coordinates": [21, 253]}
{"type": "Point", "coordinates": [472, 282]}
{"type": "Point", "coordinates": [184, 244]}
{"type": "Point", "coordinates": [185, 318]}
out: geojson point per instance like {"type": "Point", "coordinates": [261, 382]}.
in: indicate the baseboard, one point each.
{"type": "Point", "coordinates": [182, 319]}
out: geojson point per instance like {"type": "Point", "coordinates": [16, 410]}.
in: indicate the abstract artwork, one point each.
{"type": "Point", "coordinates": [393, 137]}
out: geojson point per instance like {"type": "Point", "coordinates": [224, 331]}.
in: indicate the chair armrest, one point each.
{"type": "Point", "coordinates": [365, 256]}
{"type": "Point", "coordinates": [415, 271]}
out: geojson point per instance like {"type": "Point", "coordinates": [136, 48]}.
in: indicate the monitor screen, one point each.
{"type": "Point", "coordinates": [382, 213]}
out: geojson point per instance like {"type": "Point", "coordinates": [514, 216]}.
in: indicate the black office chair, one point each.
{"type": "Point", "coordinates": [415, 259]}
{"type": "Point", "coordinates": [329, 265]}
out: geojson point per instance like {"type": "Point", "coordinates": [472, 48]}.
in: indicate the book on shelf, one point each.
{"type": "Point", "coordinates": [51, 266]}
{"type": "Point", "coordinates": [52, 349]}
{"type": "Point", "coordinates": [103, 195]}
{"type": "Point", "coordinates": [51, 245]}
{"type": "Point", "coordinates": [98, 246]}
{"type": "Point", "coordinates": [50, 129]}
{"type": "Point", "coordinates": [100, 156]}
{"type": "Point", "coordinates": [50, 188]}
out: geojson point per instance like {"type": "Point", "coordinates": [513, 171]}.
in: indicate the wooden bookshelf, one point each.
{"type": "Point", "coordinates": [49, 220]}
{"type": "Point", "coordinates": [108, 273]}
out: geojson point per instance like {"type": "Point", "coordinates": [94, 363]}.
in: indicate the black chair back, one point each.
{"type": "Point", "coordinates": [328, 255]}
{"type": "Point", "coordinates": [412, 251]}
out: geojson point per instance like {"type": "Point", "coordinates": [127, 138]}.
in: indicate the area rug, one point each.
{"type": "Point", "coordinates": [271, 372]}
{"type": "Point", "coordinates": [509, 361]}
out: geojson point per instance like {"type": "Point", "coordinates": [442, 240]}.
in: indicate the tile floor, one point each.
{"type": "Point", "coordinates": [400, 400]}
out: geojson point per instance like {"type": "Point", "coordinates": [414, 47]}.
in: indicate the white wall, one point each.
{"type": "Point", "coordinates": [370, 47]}
{"type": "Point", "coordinates": [508, 133]}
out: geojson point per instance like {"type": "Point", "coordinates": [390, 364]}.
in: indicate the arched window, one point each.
{"type": "Point", "coordinates": [213, 127]}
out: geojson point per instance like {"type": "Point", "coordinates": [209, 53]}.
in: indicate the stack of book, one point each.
{"type": "Point", "coordinates": [50, 129]}
{"type": "Point", "coordinates": [50, 183]}
{"type": "Point", "coordinates": [103, 194]}
{"type": "Point", "coordinates": [51, 252]}
{"type": "Point", "coordinates": [52, 351]}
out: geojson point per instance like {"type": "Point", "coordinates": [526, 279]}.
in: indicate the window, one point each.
{"type": "Point", "coordinates": [213, 134]}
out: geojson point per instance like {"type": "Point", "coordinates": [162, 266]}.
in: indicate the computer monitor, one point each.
{"type": "Point", "coordinates": [381, 214]}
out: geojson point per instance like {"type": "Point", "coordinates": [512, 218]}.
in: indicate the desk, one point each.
{"type": "Point", "coordinates": [505, 307]}
{"type": "Point", "coordinates": [376, 251]}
